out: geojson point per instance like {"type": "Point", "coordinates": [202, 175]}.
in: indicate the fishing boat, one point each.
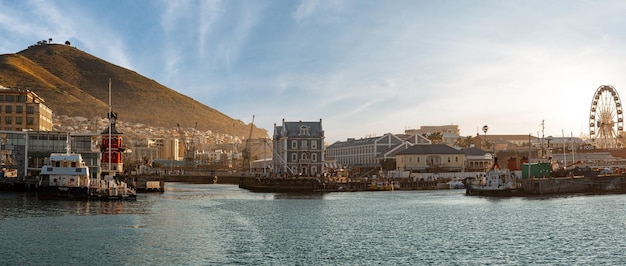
{"type": "Point", "coordinates": [495, 182]}
{"type": "Point", "coordinates": [64, 176]}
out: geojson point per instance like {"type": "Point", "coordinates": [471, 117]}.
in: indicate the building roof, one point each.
{"type": "Point", "coordinates": [292, 129]}
{"type": "Point", "coordinates": [379, 140]}
{"type": "Point", "coordinates": [414, 138]}
{"type": "Point", "coordinates": [353, 142]}
{"type": "Point", "coordinates": [430, 149]}
{"type": "Point", "coordinates": [474, 151]}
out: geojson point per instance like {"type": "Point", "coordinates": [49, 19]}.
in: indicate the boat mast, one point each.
{"type": "Point", "coordinates": [529, 153]}
{"type": "Point", "coordinates": [564, 153]}
{"type": "Point", "coordinates": [110, 110]}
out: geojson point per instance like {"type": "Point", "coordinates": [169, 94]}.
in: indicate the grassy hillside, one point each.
{"type": "Point", "coordinates": [75, 83]}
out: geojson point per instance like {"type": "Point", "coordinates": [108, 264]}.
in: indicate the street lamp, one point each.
{"type": "Point", "coordinates": [485, 128]}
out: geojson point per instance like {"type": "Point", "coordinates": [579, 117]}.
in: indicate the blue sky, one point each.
{"type": "Point", "coordinates": [365, 68]}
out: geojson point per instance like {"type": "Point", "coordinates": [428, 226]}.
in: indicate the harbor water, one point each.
{"type": "Point", "coordinates": [207, 224]}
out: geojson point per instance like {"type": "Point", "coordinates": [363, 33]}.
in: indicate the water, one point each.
{"type": "Point", "coordinates": [224, 225]}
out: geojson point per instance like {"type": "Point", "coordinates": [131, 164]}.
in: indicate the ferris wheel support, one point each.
{"type": "Point", "coordinates": [606, 120]}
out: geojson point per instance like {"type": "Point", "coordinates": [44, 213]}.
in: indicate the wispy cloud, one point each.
{"type": "Point", "coordinates": [304, 10]}
{"type": "Point", "coordinates": [361, 66]}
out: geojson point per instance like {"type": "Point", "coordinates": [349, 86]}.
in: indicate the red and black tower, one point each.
{"type": "Point", "coordinates": [112, 163]}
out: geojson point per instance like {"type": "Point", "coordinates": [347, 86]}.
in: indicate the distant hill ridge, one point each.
{"type": "Point", "coordinates": [75, 83]}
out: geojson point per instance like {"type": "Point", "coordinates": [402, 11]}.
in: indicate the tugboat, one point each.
{"type": "Point", "coordinates": [65, 176]}
{"type": "Point", "coordinates": [496, 182]}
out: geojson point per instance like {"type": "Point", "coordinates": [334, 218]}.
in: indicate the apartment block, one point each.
{"type": "Point", "coordinates": [23, 110]}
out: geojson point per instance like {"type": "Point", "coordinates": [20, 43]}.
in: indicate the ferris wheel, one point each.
{"type": "Point", "coordinates": [606, 121]}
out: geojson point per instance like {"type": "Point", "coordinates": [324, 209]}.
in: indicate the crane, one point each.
{"type": "Point", "coordinates": [189, 149]}
{"type": "Point", "coordinates": [246, 154]}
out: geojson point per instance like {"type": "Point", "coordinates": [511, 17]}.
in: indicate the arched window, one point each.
{"type": "Point", "coordinates": [304, 131]}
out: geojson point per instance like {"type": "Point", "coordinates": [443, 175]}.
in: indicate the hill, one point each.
{"type": "Point", "coordinates": [75, 83]}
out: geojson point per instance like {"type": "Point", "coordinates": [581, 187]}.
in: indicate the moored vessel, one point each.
{"type": "Point", "coordinates": [64, 176]}
{"type": "Point", "coordinates": [495, 182]}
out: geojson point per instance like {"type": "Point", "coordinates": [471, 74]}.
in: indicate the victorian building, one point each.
{"type": "Point", "coordinates": [298, 148]}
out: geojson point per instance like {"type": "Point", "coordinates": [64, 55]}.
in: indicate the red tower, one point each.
{"type": "Point", "coordinates": [112, 163]}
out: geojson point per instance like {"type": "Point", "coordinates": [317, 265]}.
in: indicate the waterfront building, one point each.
{"type": "Point", "coordinates": [431, 158]}
{"type": "Point", "coordinates": [298, 148]}
{"type": "Point", "coordinates": [86, 144]}
{"type": "Point", "coordinates": [23, 110]}
{"type": "Point", "coordinates": [477, 160]}
{"type": "Point", "coordinates": [27, 151]}
{"type": "Point", "coordinates": [367, 152]}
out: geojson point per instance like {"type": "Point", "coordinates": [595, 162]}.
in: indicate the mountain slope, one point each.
{"type": "Point", "coordinates": [75, 83]}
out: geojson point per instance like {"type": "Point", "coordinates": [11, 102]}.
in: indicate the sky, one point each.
{"type": "Point", "coordinates": [364, 67]}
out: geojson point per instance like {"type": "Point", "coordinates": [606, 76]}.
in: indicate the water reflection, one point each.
{"type": "Point", "coordinates": [22, 205]}
{"type": "Point", "coordinates": [299, 196]}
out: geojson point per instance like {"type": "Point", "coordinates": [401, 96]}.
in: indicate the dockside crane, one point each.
{"type": "Point", "coordinates": [246, 153]}
{"type": "Point", "coordinates": [189, 148]}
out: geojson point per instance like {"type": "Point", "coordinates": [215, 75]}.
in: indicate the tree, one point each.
{"type": "Point", "coordinates": [49, 40]}
{"type": "Point", "coordinates": [67, 42]}
{"type": "Point", "coordinates": [464, 142]}
{"type": "Point", "coordinates": [435, 137]}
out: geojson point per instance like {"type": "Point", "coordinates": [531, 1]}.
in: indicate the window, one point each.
{"type": "Point", "coordinates": [9, 98]}
{"type": "Point", "coordinates": [294, 157]}
{"type": "Point", "coordinates": [303, 144]}
{"type": "Point", "coordinates": [304, 131]}
{"type": "Point", "coordinates": [303, 156]}
{"type": "Point", "coordinates": [314, 157]}
{"type": "Point", "coordinates": [294, 144]}
{"type": "Point", "coordinates": [30, 121]}
{"type": "Point", "coordinates": [314, 144]}
{"type": "Point", "coordinates": [8, 109]}
{"type": "Point", "coordinates": [19, 109]}
{"type": "Point", "coordinates": [30, 109]}
{"type": "Point", "coordinates": [8, 120]}
{"type": "Point", "coordinates": [18, 120]}
{"type": "Point", "coordinates": [21, 98]}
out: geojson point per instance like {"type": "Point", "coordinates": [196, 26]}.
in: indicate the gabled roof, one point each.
{"type": "Point", "coordinates": [430, 149]}
{"type": "Point", "coordinates": [393, 151]}
{"type": "Point", "coordinates": [378, 140]}
{"type": "Point", "coordinates": [414, 139]}
{"type": "Point", "coordinates": [474, 151]}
